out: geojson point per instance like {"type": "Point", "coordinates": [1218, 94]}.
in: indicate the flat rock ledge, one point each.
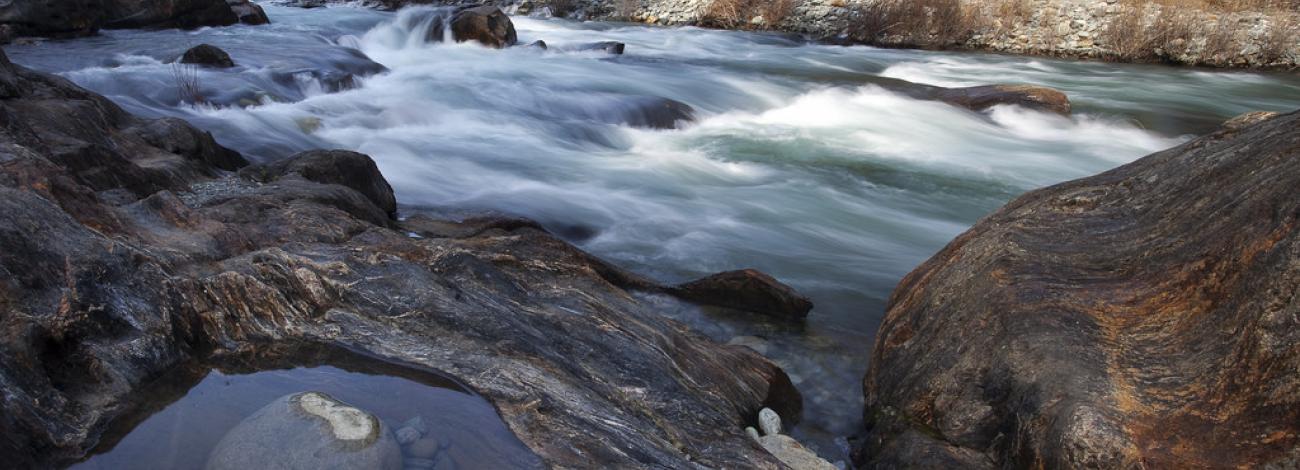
{"type": "Point", "coordinates": [129, 247]}
{"type": "Point", "coordinates": [1146, 317]}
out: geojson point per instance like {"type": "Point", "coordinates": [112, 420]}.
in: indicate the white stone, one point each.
{"type": "Point", "coordinates": [347, 423]}
{"type": "Point", "coordinates": [753, 434]}
{"type": "Point", "coordinates": [769, 422]}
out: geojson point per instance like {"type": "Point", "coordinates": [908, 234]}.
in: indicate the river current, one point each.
{"type": "Point", "coordinates": [797, 164]}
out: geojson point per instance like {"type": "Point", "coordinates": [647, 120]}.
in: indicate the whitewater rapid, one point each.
{"type": "Point", "coordinates": [798, 162]}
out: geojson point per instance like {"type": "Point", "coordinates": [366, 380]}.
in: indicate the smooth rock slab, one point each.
{"type": "Point", "coordinates": [793, 454]}
{"type": "Point", "coordinates": [307, 430]}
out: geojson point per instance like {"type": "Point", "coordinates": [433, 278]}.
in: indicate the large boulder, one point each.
{"type": "Point", "coordinates": [483, 23]}
{"type": "Point", "coordinates": [341, 167]}
{"type": "Point", "coordinates": [307, 430]}
{"type": "Point", "coordinates": [749, 290]}
{"type": "Point", "coordinates": [1145, 317]}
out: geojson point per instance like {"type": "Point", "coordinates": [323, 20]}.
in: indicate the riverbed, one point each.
{"type": "Point", "coordinates": [797, 162]}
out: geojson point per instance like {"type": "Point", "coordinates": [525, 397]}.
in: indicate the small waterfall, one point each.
{"type": "Point", "coordinates": [414, 27]}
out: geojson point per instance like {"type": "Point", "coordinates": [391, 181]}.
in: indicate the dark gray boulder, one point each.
{"type": "Point", "coordinates": [207, 55]}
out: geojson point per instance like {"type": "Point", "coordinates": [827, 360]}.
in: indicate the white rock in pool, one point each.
{"type": "Point", "coordinates": [307, 430]}
{"type": "Point", "coordinates": [769, 422]}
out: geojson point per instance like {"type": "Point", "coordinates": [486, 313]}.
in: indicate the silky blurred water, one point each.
{"type": "Point", "coordinates": [798, 164]}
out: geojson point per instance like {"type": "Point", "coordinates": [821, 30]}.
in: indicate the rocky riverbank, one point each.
{"type": "Point", "coordinates": [1087, 29]}
{"type": "Point", "coordinates": [132, 246]}
{"type": "Point", "coordinates": [1144, 317]}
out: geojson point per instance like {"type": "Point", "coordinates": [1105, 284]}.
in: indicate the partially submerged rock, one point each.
{"type": "Point", "coordinates": [1143, 317]}
{"type": "Point", "coordinates": [486, 24]}
{"type": "Point", "coordinates": [611, 47]}
{"type": "Point", "coordinates": [658, 113]}
{"type": "Point", "coordinates": [979, 98]}
{"type": "Point", "coordinates": [307, 430]}
{"type": "Point", "coordinates": [749, 290]}
{"type": "Point", "coordinates": [207, 55]}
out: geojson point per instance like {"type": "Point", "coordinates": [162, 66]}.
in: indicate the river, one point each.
{"type": "Point", "coordinates": [798, 164]}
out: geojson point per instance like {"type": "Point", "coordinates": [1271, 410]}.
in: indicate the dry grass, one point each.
{"type": "Point", "coordinates": [914, 23]}
{"type": "Point", "coordinates": [1279, 43]}
{"type": "Point", "coordinates": [1204, 32]}
{"type": "Point", "coordinates": [625, 9]}
{"type": "Point", "coordinates": [1177, 35]}
{"type": "Point", "coordinates": [186, 77]}
{"type": "Point", "coordinates": [736, 14]}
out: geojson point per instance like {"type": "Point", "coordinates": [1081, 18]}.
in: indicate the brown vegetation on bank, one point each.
{"type": "Point", "coordinates": [739, 14]}
{"type": "Point", "coordinates": [1194, 32]}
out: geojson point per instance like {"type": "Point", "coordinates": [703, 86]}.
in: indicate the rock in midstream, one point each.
{"type": "Point", "coordinates": [129, 248]}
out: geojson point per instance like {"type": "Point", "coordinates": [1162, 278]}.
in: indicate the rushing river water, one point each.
{"type": "Point", "coordinates": [798, 164]}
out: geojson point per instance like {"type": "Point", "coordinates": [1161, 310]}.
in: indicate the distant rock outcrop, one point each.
{"type": "Point", "coordinates": [1146, 317]}
{"type": "Point", "coordinates": [63, 18]}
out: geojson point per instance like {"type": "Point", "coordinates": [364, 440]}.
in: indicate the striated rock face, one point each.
{"type": "Point", "coordinates": [61, 18]}
{"type": "Point", "coordinates": [126, 249]}
{"type": "Point", "coordinates": [1146, 317]}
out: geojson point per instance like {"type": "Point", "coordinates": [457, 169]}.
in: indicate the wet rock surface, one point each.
{"type": "Point", "coordinates": [129, 248]}
{"type": "Point", "coordinates": [486, 24]}
{"type": "Point", "coordinates": [748, 290]}
{"type": "Point", "coordinates": [208, 55]}
{"type": "Point", "coordinates": [1143, 317]}
{"type": "Point", "coordinates": [307, 430]}
{"type": "Point", "coordinates": [978, 98]}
